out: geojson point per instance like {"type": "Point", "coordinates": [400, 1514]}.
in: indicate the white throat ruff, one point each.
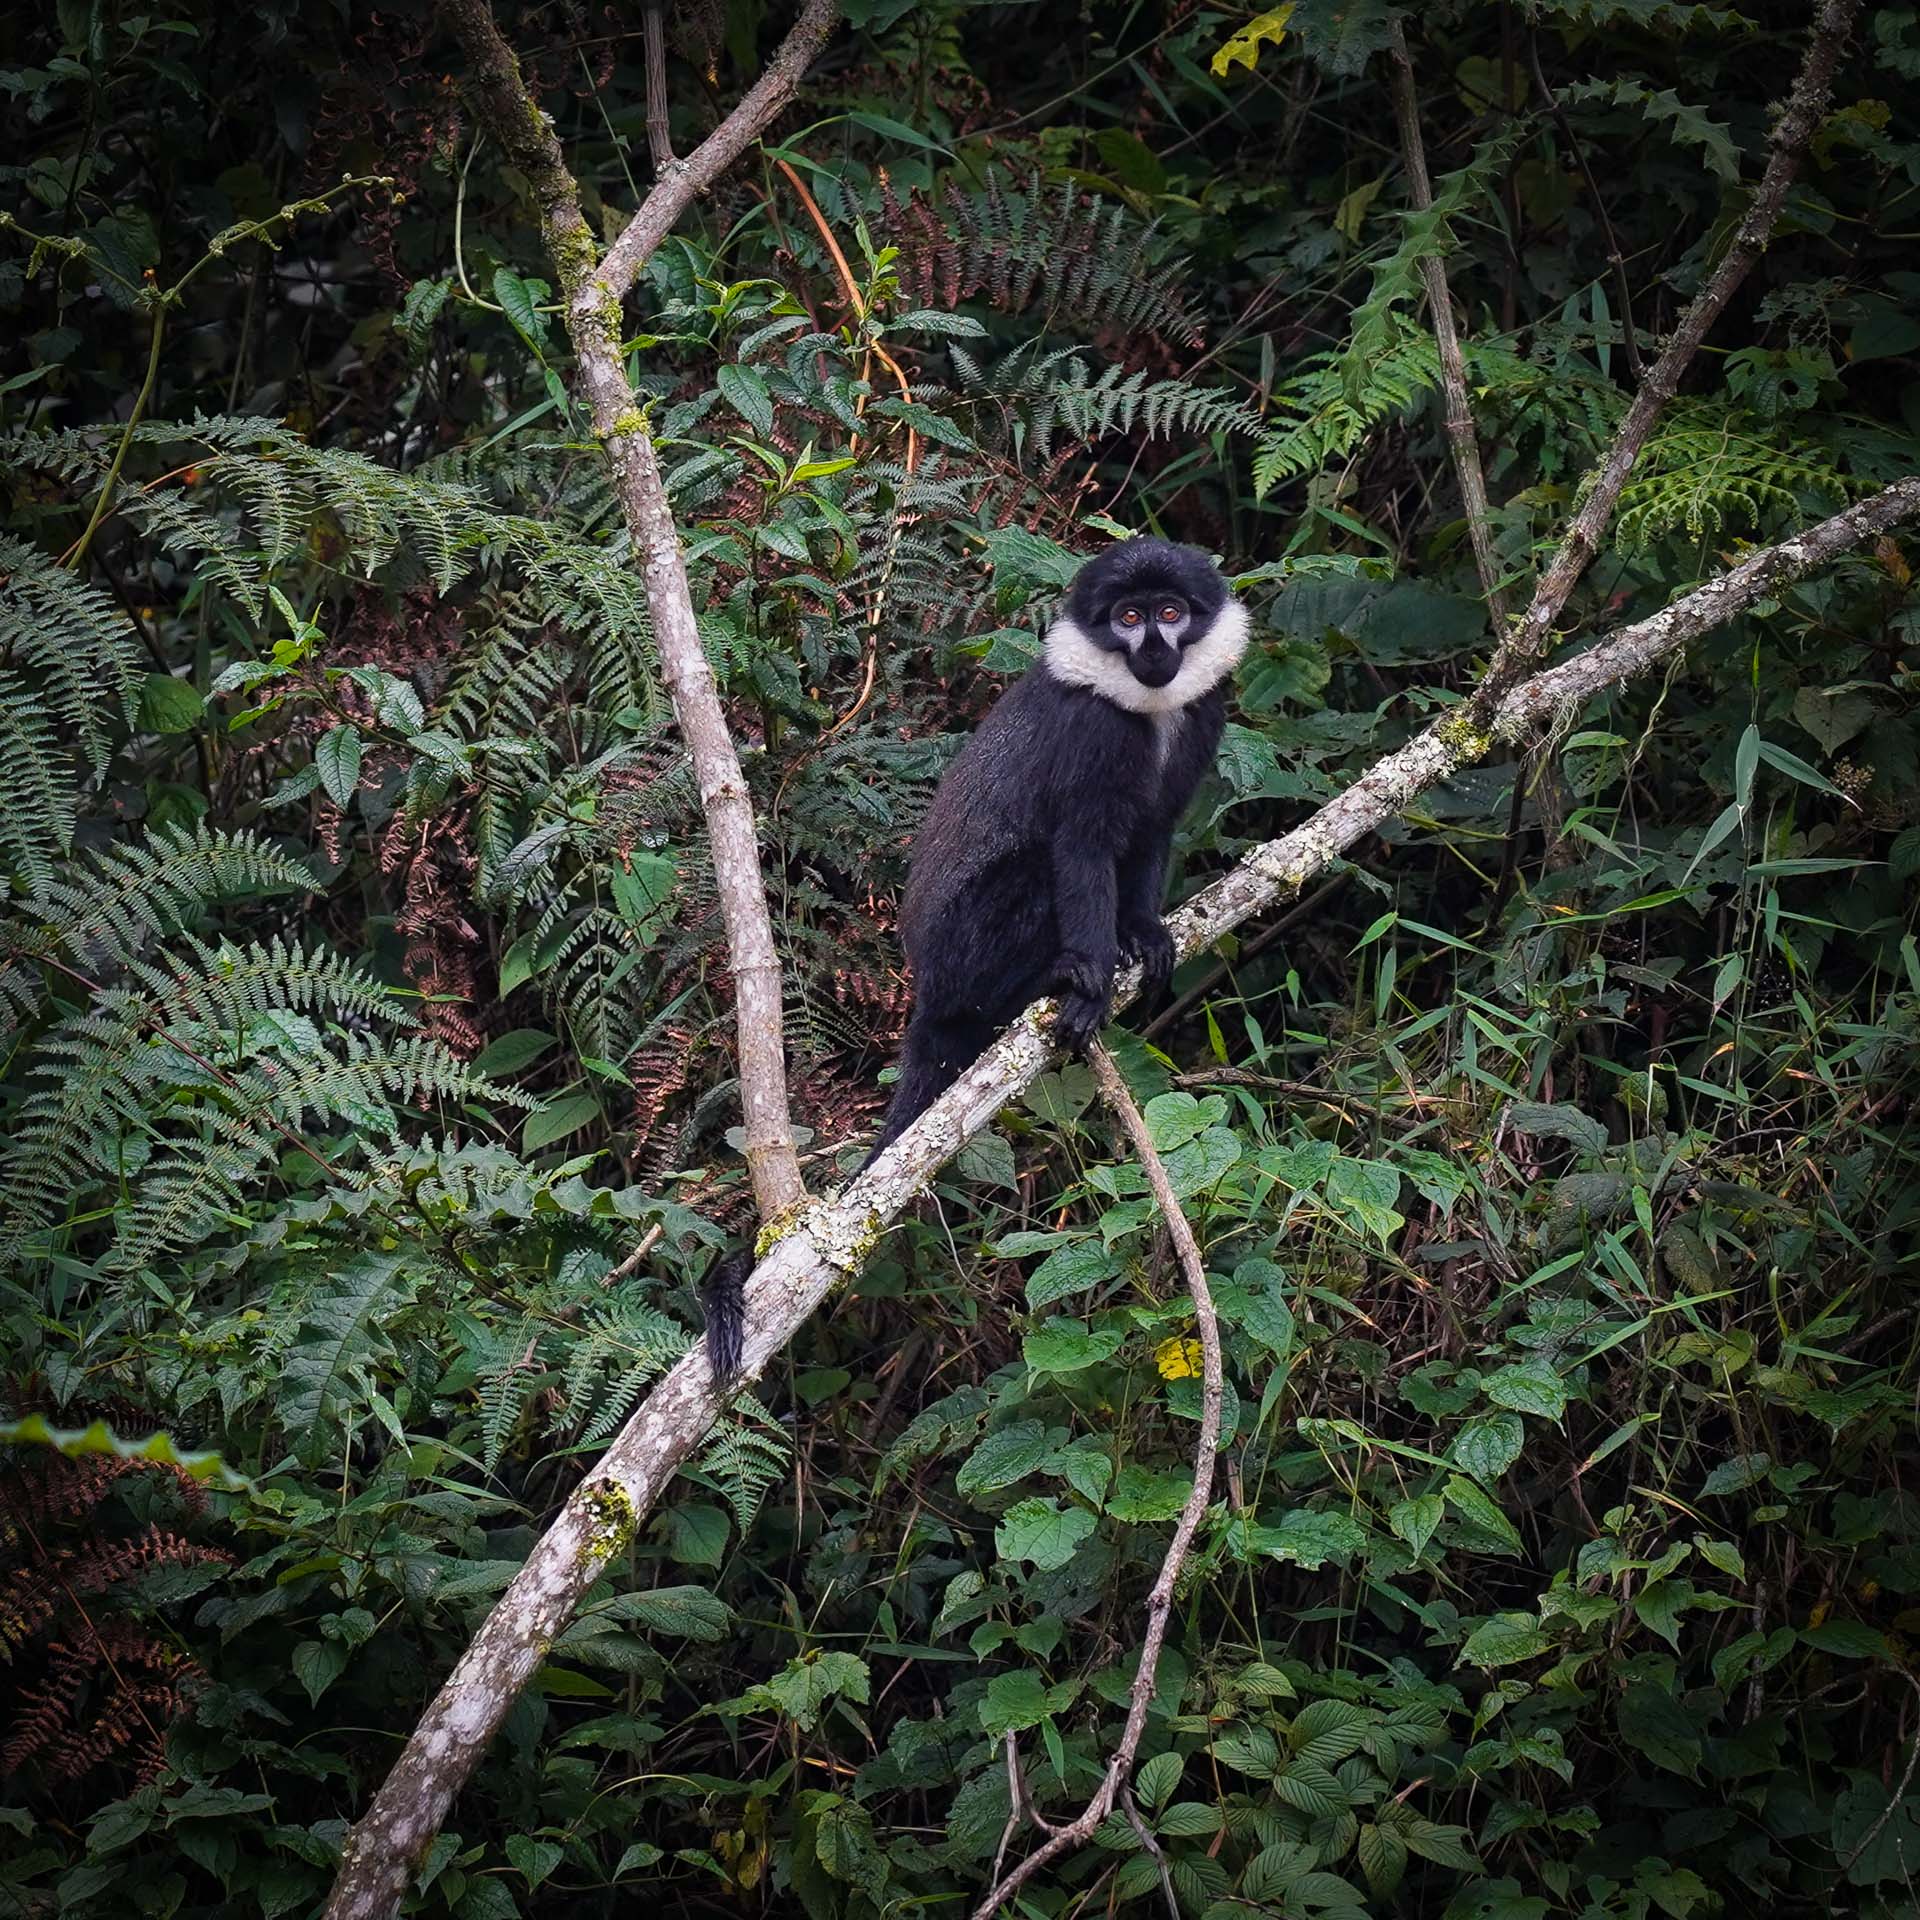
{"type": "Point", "coordinates": [1072, 657]}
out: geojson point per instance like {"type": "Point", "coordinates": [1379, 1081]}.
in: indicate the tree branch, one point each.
{"type": "Point", "coordinates": [833, 1238]}
{"type": "Point", "coordinates": [1806, 106]}
{"type": "Point", "coordinates": [1461, 439]}
{"type": "Point", "coordinates": [653, 27]}
{"type": "Point", "coordinates": [1113, 1783]}
{"type": "Point", "coordinates": [592, 289]}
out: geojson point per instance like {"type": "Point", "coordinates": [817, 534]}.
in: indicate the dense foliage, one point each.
{"type": "Point", "coordinates": [366, 1001]}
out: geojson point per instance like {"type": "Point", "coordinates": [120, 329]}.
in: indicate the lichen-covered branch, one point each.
{"type": "Point", "coordinates": [592, 289]}
{"type": "Point", "coordinates": [1798, 122]}
{"type": "Point", "coordinates": [1113, 1783]}
{"type": "Point", "coordinates": [830, 1240]}
{"type": "Point", "coordinates": [1462, 442]}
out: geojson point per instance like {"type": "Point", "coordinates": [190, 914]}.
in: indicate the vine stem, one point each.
{"type": "Point", "coordinates": [1113, 1786]}
{"type": "Point", "coordinates": [76, 555]}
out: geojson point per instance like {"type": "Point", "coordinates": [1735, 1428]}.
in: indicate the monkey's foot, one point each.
{"type": "Point", "coordinates": [1149, 942]}
{"type": "Point", "coordinates": [1085, 988]}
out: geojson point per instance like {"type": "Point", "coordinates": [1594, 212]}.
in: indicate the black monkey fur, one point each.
{"type": "Point", "coordinates": [1041, 864]}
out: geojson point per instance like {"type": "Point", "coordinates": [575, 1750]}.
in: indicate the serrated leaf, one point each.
{"type": "Point", "coordinates": [1007, 1454]}
{"type": "Point", "coordinates": [746, 392]}
{"type": "Point", "coordinates": [1042, 1533]}
{"type": "Point", "coordinates": [337, 754]}
{"type": "Point", "coordinates": [1156, 1780]}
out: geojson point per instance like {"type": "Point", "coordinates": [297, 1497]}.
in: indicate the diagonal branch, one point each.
{"type": "Point", "coordinates": [832, 1239]}
{"type": "Point", "coordinates": [1806, 107]}
{"type": "Point", "coordinates": [1461, 440]}
{"type": "Point", "coordinates": [592, 289]}
{"type": "Point", "coordinates": [1114, 1782]}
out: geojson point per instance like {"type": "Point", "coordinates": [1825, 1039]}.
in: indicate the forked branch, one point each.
{"type": "Point", "coordinates": [593, 289]}
{"type": "Point", "coordinates": [1799, 121]}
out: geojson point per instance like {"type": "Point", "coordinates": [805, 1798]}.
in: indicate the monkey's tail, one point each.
{"type": "Point", "coordinates": [723, 1300]}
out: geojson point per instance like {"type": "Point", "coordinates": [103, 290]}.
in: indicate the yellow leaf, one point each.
{"type": "Point", "coordinates": [1178, 1359]}
{"type": "Point", "coordinates": [1347, 217]}
{"type": "Point", "coordinates": [1244, 47]}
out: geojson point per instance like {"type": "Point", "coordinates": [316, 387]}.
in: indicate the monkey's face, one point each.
{"type": "Point", "coordinates": [1150, 629]}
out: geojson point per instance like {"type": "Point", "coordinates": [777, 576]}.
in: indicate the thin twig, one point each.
{"type": "Point", "coordinates": [1899, 1793]}
{"type": "Point", "coordinates": [1461, 439]}
{"type": "Point", "coordinates": [1259, 943]}
{"type": "Point", "coordinates": [1113, 1783]}
{"type": "Point", "coordinates": [1622, 286]}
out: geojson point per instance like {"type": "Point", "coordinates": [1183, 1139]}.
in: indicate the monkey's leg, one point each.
{"type": "Point", "coordinates": [936, 1054]}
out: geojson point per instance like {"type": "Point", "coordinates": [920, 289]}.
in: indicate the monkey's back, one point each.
{"type": "Point", "coordinates": [979, 901]}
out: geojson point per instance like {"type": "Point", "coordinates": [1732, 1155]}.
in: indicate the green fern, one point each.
{"type": "Point", "coordinates": [203, 1073]}
{"type": "Point", "coordinates": [624, 1344]}
{"type": "Point", "coordinates": [1711, 466]}
{"type": "Point", "coordinates": [747, 1454]}
{"type": "Point", "coordinates": [73, 646]}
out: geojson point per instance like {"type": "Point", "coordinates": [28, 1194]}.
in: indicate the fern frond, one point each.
{"type": "Point", "coordinates": [37, 803]}
{"type": "Point", "coordinates": [1710, 465]}
{"type": "Point", "coordinates": [72, 645]}
{"type": "Point", "coordinates": [746, 1455]}
{"type": "Point", "coordinates": [1080, 257]}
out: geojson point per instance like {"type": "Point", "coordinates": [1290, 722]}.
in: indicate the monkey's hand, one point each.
{"type": "Point", "coordinates": [1148, 941]}
{"type": "Point", "coordinates": [1085, 987]}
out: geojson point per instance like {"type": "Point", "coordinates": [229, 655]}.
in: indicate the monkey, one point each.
{"type": "Point", "coordinates": [1041, 864]}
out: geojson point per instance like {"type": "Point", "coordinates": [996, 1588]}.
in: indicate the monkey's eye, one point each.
{"type": "Point", "coordinates": [1170, 614]}
{"type": "Point", "coordinates": [1129, 616]}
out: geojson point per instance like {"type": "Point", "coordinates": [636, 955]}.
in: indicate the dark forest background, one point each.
{"type": "Point", "coordinates": [365, 996]}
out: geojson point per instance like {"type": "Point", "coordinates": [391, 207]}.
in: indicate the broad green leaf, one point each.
{"type": "Point", "coordinates": [1529, 1386]}
{"type": "Point", "coordinates": [1007, 1454]}
{"type": "Point", "coordinates": [1487, 1446]}
{"type": "Point", "coordinates": [557, 1120]}
{"type": "Point", "coordinates": [1070, 1270]}
{"type": "Point", "coordinates": [1042, 1532]}
{"type": "Point", "coordinates": [1505, 1639]}
{"type": "Point", "coordinates": [1417, 1520]}
{"type": "Point", "coordinates": [169, 705]}
{"type": "Point", "coordinates": [1065, 1346]}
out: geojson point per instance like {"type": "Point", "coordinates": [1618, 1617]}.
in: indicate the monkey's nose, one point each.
{"type": "Point", "coordinates": [1156, 663]}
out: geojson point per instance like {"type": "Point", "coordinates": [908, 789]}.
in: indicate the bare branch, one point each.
{"type": "Point", "coordinates": [1113, 1783]}
{"type": "Point", "coordinates": [681, 180]}
{"type": "Point", "coordinates": [1806, 105]}
{"type": "Point", "coordinates": [1461, 439]}
{"type": "Point", "coordinates": [653, 27]}
{"type": "Point", "coordinates": [831, 1240]}
{"type": "Point", "coordinates": [592, 289]}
